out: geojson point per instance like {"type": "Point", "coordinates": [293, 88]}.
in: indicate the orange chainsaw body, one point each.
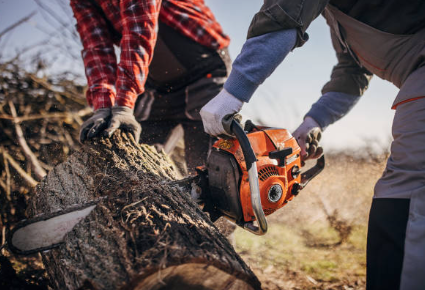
{"type": "Point", "coordinates": [278, 177]}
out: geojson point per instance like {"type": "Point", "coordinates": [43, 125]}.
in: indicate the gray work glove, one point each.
{"type": "Point", "coordinates": [213, 113]}
{"type": "Point", "coordinates": [123, 118]}
{"type": "Point", "coordinates": [95, 124]}
{"type": "Point", "coordinates": [308, 135]}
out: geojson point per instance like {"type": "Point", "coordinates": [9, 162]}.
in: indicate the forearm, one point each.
{"type": "Point", "coordinates": [100, 68]}
{"type": "Point", "coordinates": [331, 107]}
{"type": "Point", "coordinates": [348, 82]}
{"type": "Point", "coordinates": [98, 54]}
{"type": "Point", "coordinates": [347, 75]}
{"type": "Point", "coordinates": [258, 59]}
{"type": "Point", "coordinates": [137, 46]}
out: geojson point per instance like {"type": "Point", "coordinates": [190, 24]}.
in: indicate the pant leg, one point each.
{"type": "Point", "coordinates": [402, 181]}
{"type": "Point", "coordinates": [154, 132]}
{"type": "Point", "coordinates": [385, 246]}
{"type": "Point", "coordinates": [159, 113]}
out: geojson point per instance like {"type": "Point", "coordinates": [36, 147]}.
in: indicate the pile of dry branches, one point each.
{"type": "Point", "coordinates": [39, 124]}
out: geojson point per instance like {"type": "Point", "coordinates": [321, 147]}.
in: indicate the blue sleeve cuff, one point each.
{"type": "Point", "coordinates": [331, 107]}
{"type": "Point", "coordinates": [239, 86]}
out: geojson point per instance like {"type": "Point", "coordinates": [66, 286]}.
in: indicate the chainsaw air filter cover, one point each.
{"type": "Point", "coordinates": [278, 166]}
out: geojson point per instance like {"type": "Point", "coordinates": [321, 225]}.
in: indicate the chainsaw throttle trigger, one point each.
{"type": "Point", "coordinates": [251, 166]}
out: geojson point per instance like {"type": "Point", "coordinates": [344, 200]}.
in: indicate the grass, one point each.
{"type": "Point", "coordinates": [285, 248]}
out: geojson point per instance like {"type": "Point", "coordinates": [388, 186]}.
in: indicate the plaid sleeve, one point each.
{"type": "Point", "coordinates": [139, 32]}
{"type": "Point", "coordinates": [98, 53]}
{"type": "Point", "coordinates": [194, 20]}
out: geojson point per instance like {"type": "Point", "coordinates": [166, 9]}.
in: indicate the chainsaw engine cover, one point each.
{"type": "Point", "coordinates": [278, 168]}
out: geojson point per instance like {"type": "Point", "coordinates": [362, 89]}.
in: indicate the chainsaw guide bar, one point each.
{"type": "Point", "coordinates": [47, 231]}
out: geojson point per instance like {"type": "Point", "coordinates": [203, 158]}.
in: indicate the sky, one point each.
{"type": "Point", "coordinates": [281, 101]}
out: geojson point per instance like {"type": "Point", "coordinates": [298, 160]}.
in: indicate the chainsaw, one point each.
{"type": "Point", "coordinates": [245, 179]}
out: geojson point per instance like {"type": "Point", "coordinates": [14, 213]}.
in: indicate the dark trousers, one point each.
{"type": "Point", "coordinates": [385, 243]}
{"type": "Point", "coordinates": [197, 143]}
{"type": "Point", "coordinates": [159, 113]}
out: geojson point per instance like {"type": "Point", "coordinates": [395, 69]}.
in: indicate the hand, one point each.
{"type": "Point", "coordinates": [123, 118]}
{"type": "Point", "coordinates": [308, 135]}
{"type": "Point", "coordinates": [213, 113]}
{"type": "Point", "coordinates": [95, 124]}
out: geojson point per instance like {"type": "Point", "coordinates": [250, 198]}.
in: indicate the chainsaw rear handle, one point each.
{"type": "Point", "coordinates": [254, 186]}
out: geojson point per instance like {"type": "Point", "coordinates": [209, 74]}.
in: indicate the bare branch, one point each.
{"type": "Point", "coordinates": [18, 168]}
{"type": "Point", "coordinates": [38, 170]}
{"type": "Point", "coordinates": [55, 16]}
{"type": "Point", "coordinates": [3, 240]}
{"type": "Point", "coordinates": [2, 184]}
{"type": "Point", "coordinates": [13, 26]}
{"type": "Point", "coordinates": [81, 113]}
{"type": "Point", "coordinates": [49, 87]}
{"type": "Point", "coordinates": [6, 169]}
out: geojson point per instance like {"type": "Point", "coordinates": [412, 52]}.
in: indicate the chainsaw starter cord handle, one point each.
{"type": "Point", "coordinates": [254, 186]}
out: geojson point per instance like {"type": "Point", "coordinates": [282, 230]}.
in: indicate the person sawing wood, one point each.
{"type": "Point", "coordinates": [383, 38]}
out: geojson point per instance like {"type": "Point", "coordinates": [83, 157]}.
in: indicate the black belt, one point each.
{"type": "Point", "coordinates": [179, 61]}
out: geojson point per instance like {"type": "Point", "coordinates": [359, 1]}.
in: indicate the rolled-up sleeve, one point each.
{"type": "Point", "coordinates": [277, 15]}
{"type": "Point", "coordinates": [98, 53]}
{"type": "Point", "coordinates": [139, 33]}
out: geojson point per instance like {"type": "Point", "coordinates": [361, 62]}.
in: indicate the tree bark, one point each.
{"type": "Point", "coordinates": [144, 234]}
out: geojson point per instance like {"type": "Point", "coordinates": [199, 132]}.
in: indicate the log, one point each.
{"type": "Point", "coordinates": [144, 234]}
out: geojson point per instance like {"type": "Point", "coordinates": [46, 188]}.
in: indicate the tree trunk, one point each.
{"type": "Point", "coordinates": [144, 235]}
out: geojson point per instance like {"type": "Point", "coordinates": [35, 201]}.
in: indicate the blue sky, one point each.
{"type": "Point", "coordinates": [281, 101]}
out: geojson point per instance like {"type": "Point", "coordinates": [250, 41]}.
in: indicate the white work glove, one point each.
{"type": "Point", "coordinates": [214, 111]}
{"type": "Point", "coordinates": [308, 135]}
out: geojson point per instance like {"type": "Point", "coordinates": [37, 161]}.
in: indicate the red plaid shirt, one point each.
{"type": "Point", "coordinates": [132, 24]}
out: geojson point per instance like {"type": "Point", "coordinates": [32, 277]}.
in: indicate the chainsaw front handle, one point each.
{"type": "Point", "coordinates": [254, 186]}
{"type": "Point", "coordinates": [312, 172]}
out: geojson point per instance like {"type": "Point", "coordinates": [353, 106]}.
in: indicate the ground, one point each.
{"type": "Point", "coordinates": [287, 258]}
